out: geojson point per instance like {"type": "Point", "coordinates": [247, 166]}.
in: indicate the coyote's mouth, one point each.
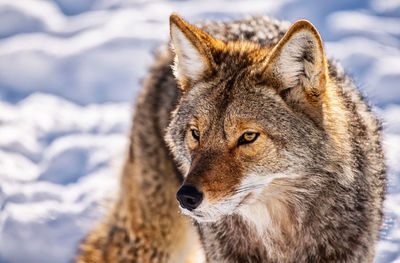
{"type": "Point", "coordinates": [198, 215]}
{"type": "Point", "coordinates": [251, 190]}
{"type": "Point", "coordinates": [208, 212]}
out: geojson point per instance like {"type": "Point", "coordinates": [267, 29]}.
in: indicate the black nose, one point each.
{"type": "Point", "coordinates": [189, 197]}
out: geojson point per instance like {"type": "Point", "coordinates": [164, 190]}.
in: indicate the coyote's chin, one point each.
{"type": "Point", "coordinates": [208, 212]}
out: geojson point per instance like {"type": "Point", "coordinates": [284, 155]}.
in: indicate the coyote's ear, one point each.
{"type": "Point", "coordinates": [297, 66]}
{"type": "Point", "coordinates": [193, 49]}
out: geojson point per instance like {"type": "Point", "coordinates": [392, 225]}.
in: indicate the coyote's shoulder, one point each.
{"type": "Point", "coordinates": [275, 153]}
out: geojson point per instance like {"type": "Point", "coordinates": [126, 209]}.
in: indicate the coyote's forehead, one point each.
{"type": "Point", "coordinates": [220, 109]}
{"type": "Point", "coordinates": [237, 104]}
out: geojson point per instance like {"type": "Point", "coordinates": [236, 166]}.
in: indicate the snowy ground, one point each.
{"type": "Point", "coordinates": [69, 70]}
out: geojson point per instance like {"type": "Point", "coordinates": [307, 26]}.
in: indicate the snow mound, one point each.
{"type": "Point", "coordinates": [70, 69]}
{"type": "Point", "coordinates": [59, 161]}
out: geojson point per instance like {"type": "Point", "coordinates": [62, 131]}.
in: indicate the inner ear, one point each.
{"type": "Point", "coordinates": [193, 49]}
{"type": "Point", "coordinates": [299, 58]}
{"type": "Point", "coordinates": [297, 68]}
{"type": "Point", "coordinates": [190, 63]}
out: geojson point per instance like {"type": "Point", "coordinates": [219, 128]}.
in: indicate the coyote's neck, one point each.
{"type": "Point", "coordinates": [272, 220]}
{"type": "Point", "coordinates": [266, 229]}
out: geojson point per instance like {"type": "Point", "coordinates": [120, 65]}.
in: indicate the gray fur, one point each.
{"type": "Point", "coordinates": [335, 201]}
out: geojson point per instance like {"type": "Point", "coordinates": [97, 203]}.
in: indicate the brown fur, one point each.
{"type": "Point", "coordinates": [141, 226]}
{"type": "Point", "coordinates": [308, 189]}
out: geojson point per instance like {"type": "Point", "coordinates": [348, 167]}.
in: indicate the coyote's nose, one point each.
{"type": "Point", "coordinates": [189, 197]}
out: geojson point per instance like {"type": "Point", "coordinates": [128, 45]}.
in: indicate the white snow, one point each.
{"type": "Point", "coordinates": [58, 161]}
{"type": "Point", "coordinates": [70, 70]}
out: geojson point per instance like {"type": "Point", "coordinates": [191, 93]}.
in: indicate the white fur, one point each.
{"type": "Point", "coordinates": [288, 66]}
{"type": "Point", "coordinates": [185, 249]}
{"type": "Point", "coordinates": [255, 211]}
{"type": "Point", "coordinates": [211, 212]}
{"type": "Point", "coordinates": [254, 183]}
{"type": "Point", "coordinates": [258, 216]}
{"type": "Point", "coordinates": [189, 63]}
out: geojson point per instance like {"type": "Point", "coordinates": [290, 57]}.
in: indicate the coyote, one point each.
{"type": "Point", "coordinates": [269, 148]}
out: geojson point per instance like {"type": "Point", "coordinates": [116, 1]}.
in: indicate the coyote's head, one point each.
{"type": "Point", "coordinates": [248, 117]}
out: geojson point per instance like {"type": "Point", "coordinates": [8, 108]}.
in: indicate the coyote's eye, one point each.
{"type": "Point", "coordinates": [196, 134]}
{"type": "Point", "coordinates": [248, 137]}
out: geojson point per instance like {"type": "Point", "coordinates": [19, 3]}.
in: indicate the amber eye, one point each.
{"type": "Point", "coordinates": [248, 137]}
{"type": "Point", "coordinates": [196, 134]}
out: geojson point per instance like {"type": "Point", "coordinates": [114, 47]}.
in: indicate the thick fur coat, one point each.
{"type": "Point", "coordinates": [280, 152]}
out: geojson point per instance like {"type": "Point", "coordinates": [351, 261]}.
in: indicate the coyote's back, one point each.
{"type": "Point", "coordinates": [278, 157]}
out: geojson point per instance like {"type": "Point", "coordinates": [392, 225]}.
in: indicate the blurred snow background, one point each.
{"type": "Point", "coordinates": [70, 70]}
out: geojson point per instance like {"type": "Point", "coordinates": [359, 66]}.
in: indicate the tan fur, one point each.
{"type": "Point", "coordinates": [141, 226]}
{"type": "Point", "coordinates": [308, 188]}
